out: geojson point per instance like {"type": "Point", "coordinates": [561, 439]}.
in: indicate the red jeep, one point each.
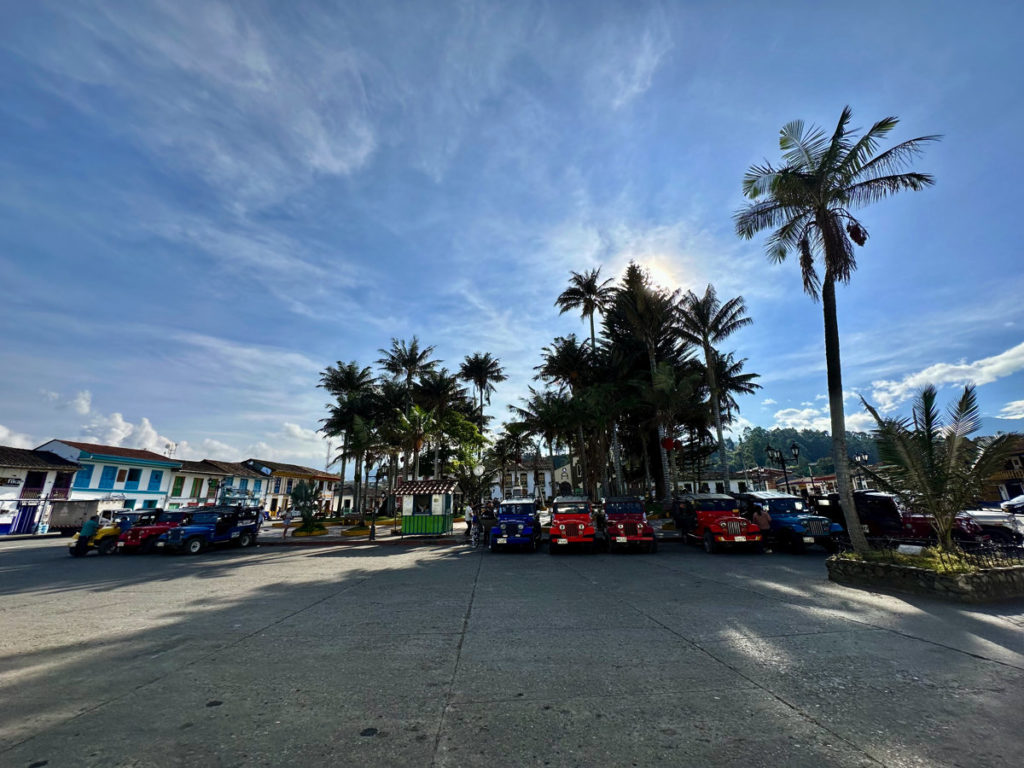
{"type": "Point", "coordinates": [142, 536]}
{"type": "Point", "coordinates": [572, 523]}
{"type": "Point", "coordinates": [714, 519]}
{"type": "Point", "coordinates": [625, 524]}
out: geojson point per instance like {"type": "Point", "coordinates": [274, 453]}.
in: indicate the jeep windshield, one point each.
{"type": "Point", "coordinates": [174, 517]}
{"type": "Point", "coordinates": [205, 517]}
{"type": "Point", "coordinates": [785, 506]}
{"type": "Point", "coordinates": [516, 509]}
{"type": "Point", "coordinates": [613, 508]}
{"type": "Point", "coordinates": [715, 505]}
{"type": "Point", "coordinates": [572, 509]}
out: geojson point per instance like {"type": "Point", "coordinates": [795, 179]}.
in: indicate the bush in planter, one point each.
{"type": "Point", "coordinates": [305, 501]}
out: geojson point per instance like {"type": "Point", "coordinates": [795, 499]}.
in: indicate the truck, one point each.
{"type": "Point", "coordinates": [213, 526]}
{"type": "Point", "coordinates": [713, 519]}
{"type": "Point", "coordinates": [68, 517]}
{"type": "Point", "coordinates": [625, 525]}
{"type": "Point", "coordinates": [144, 534]}
{"type": "Point", "coordinates": [572, 524]}
{"type": "Point", "coordinates": [517, 525]}
{"type": "Point", "coordinates": [794, 526]}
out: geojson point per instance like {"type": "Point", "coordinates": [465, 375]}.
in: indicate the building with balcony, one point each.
{"type": "Point", "coordinates": [139, 479]}
{"type": "Point", "coordinates": [29, 481]}
{"type": "Point", "coordinates": [282, 479]}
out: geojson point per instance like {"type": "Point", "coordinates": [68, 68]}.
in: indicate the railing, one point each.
{"type": "Point", "coordinates": [59, 494]}
{"type": "Point", "coordinates": [31, 493]}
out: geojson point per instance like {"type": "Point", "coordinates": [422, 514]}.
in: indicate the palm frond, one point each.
{"type": "Point", "coordinates": [758, 180]}
{"type": "Point", "coordinates": [801, 147]}
{"type": "Point", "coordinates": [809, 275]}
{"type": "Point", "coordinates": [872, 190]}
{"type": "Point", "coordinates": [892, 160]}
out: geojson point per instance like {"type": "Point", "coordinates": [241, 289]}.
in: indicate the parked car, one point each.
{"type": "Point", "coordinates": [105, 540]}
{"type": "Point", "coordinates": [1015, 505]}
{"type": "Point", "coordinates": [213, 525]}
{"type": "Point", "coordinates": [517, 525]}
{"type": "Point", "coordinates": [625, 524]}
{"type": "Point", "coordinates": [572, 524]}
{"type": "Point", "coordinates": [714, 520]}
{"type": "Point", "coordinates": [882, 516]}
{"type": "Point", "coordinates": [1002, 527]}
{"type": "Point", "coordinates": [143, 536]}
{"type": "Point", "coordinates": [794, 526]}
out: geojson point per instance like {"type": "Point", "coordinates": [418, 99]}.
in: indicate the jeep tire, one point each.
{"type": "Point", "coordinates": [710, 545]}
{"type": "Point", "coordinates": [108, 546]}
{"type": "Point", "coordinates": [245, 539]}
{"type": "Point", "coordinates": [194, 545]}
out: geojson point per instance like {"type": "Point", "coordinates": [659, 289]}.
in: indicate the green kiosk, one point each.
{"type": "Point", "coordinates": [427, 506]}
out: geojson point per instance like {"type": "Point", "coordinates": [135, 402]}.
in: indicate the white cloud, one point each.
{"type": "Point", "coordinates": [631, 75]}
{"type": "Point", "coordinates": [821, 397]}
{"type": "Point", "coordinates": [887, 394]}
{"type": "Point", "coordinates": [82, 402]}
{"type": "Point", "coordinates": [1013, 410]}
{"type": "Point", "coordinates": [14, 439]}
{"type": "Point", "coordinates": [769, 401]}
{"type": "Point", "coordinates": [802, 418]}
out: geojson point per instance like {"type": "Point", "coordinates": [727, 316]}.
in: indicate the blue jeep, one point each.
{"type": "Point", "coordinates": [518, 526]}
{"type": "Point", "coordinates": [794, 526]}
{"type": "Point", "coordinates": [213, 525]}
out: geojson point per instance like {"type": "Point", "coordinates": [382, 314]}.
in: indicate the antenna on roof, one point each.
{"type": "Point", "coordinates": [169, 449]}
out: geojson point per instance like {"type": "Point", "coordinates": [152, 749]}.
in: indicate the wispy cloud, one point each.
{"type": "Point", "coordinates": [16, 439]}
{"type": "Point", "coordinates": [887, 394]}
{"type": "Point", "coordinates": [1013, 410]}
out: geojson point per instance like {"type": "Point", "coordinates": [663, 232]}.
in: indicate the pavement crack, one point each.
{"type": "Point", "coordinates": [449, 695]}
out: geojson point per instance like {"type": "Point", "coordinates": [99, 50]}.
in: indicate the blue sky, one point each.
{"type": "Point", "coordinates": [202, 204]}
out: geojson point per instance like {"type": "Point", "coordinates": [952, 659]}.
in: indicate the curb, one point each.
{"type": "Point", "coordinates": [409, 542]}
{"type": "Point", "coordinates": [26, 536]}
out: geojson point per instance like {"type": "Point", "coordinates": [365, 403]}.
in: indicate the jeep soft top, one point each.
{"type": "Point", "coordinates": [624, 505]}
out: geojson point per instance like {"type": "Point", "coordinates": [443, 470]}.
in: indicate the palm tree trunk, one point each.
{"type": "Point", "coordinates": [647, 462]}
{"type": "Point", "coordinates": [344, 462]}
{"type": "Point", "coordinates": [661, 429]}
{"type": "Point", "coordinates": [617, 460]}
{"type": "Point", "coordinates": [835, 406]}
{"type": "Point", "coordinates": [710, 361]}
{"type": "Point", "coordinates": [584, 465]}
{"type": "Point", "coordinates": [356, 483]}
{"type": "Point", "coordinates": [365, 484]}
{"type": "Point", "coordinates": [437, 455]}
{"type": "Point", "coordinates": [551, 456]}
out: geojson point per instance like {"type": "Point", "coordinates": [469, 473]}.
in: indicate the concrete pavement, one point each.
{"type": "Point", "coordinates": [446, 657]}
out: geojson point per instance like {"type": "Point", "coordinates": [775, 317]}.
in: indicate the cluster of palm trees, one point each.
{"type": "Point", "coordinates": [386, 419]}
{"type": "Point", "coordinates": [652, 383]}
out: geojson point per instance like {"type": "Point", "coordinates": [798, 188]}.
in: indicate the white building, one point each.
{"type": "Point", "coordinates": [210, 481]}
{"type": "Point", "coordinates": [140, 479]}
{"type": "Point", "coordinates": [29, 481]}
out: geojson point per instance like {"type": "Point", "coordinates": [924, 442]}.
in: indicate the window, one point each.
{"type": "Point", "coordinates": [179, 485]}
{"type": "Point", "coordinates": [243, 484]}
{"type": "Point", "coordinates": [132, 481]}
{"type": "Point", "coordinates": [173, 506]}
{"type": "Point", "coordinates": [130, 504]}
{"type": "Point", "coordinates": [156, 477]}
{"type": "Point", "coordinates": [122, 474]}
{"type": "Point", "coordinates": [151, 504]}
{"type": "Point", "coordinates": [108, 477]}
{"type": "Point", "coordinates": [83, 476]}
{"type": "Point", "coordinates": [211, 488]}
{"type": "Point", "coordinates": [197, 488]}
{"type": "Point", "coordinates": [257, 486]}
{"type": "Point", "coordinates": [288, 487]}
{"type": "Point", "coordinates": [277, 485]}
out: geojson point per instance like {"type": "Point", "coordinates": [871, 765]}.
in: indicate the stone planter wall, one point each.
{"type": "Point", "coordinates": [981, 587]}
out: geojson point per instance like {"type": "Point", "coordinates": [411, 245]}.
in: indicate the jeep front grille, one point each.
{"type": "Point", "coordinates": [817, 527]}
{"type": "Point", "coordinates": [735, 527]}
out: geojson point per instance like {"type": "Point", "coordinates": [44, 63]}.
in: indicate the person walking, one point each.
{"type": "Point", "coordinates": [469, 519]}
{"type": "Point", "coordinates": [287, 517]}
{"type": "Point", "coordinates": [89, 529]}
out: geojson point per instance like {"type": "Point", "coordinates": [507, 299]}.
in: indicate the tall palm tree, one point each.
{"type": "Point", "coordinates": [348, 383]}
{"type": "Point", "coordinates": [589, 294]}
{"type": "Point", "coordinates": [706, 322]}
{"type": "Point", "coordinates": [439, 391]}
{"type": "Point", "coordinates": [934, 467]}
{"type": "Point", "coordinates": [416, 427]}
{"type": "Point", "coordinates": [650, 314]}
{"type": "Point", "coordinates": [483, 371]}
{"type": "Point", "coordinates": [807, 203]}
{"type": "Point", "coordinates": [407, 361]}
{"type": "Point", "coordinates": [569, 365]}
{"type": "Point", "coordinates": [544, 415]}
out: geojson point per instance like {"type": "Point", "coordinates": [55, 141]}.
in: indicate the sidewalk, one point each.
{"type": "Point", "coordinates": [23, 536]}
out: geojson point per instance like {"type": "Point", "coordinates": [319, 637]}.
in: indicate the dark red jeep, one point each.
{"type": "Point", "coordinates": [572, 524]}
{"type": "Point", "coordinates": [626, 525]}
{"type": "Point", "coordinates": [142, 536]}
{"type": "Point", "coordinates": [714, 520]}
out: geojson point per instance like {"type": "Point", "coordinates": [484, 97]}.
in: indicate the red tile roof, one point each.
{"type": "Point", "coordinates": [22, 458]}
{"type": "Point", "coordinates": [113, 450]}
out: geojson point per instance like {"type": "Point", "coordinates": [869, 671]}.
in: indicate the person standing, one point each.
{"type": "Point", "coordinates": [763, 520]}
{"type": "Point", "coordinates": [469, 519]}
{"type": "Point", "coordinates": [89, 529]}
{"type": "Point", "coordinates": [287, 517]}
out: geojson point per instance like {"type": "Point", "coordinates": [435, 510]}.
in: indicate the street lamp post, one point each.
{"type": "Point", "coordinates": [777, 456]}
{"type": "Point", "coordinates": [860, 459]}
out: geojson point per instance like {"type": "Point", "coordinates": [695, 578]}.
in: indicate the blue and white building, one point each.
{"type": "Point", "coordinates": [139, 479]}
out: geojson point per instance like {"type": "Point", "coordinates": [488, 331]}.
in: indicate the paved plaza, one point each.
{"type": "Point", "coordinates": [394, 656]}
